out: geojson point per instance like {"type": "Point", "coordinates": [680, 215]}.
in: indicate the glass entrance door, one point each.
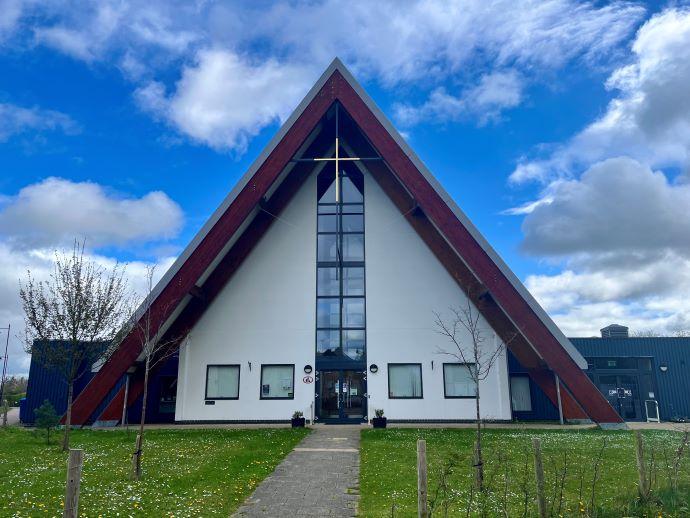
{"type": "Point", "coordinates": [623, 394]}
{"type": "Point", "coordinates": [341, 396]}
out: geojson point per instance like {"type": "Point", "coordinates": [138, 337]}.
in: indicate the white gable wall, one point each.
{"type": "Point", "coordinates": [265, 314]}
{"type": "Point", "coordinates": [405, 285]}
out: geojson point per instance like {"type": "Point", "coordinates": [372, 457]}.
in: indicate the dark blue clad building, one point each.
{"type": "Point", "coordinates": [636, 374]}
{"type": "Point", "coordinates": [48, 384]}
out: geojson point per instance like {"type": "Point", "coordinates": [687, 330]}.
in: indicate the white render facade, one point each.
{"type": "Point", "coordinates": [266, 315]}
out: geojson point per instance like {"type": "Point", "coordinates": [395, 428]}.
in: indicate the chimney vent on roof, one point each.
{"type": "Point", "coordinates": [614, 331]}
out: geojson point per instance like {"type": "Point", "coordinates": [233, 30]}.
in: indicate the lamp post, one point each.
{"type": "Point", "coordinates": [4, 374]}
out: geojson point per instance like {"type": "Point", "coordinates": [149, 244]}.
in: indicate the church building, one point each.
{"type": "Point", "coordinates": [315, 286]}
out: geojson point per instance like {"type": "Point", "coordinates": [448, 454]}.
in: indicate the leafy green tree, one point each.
{"type": "Point", "coordinates": [46, 418]}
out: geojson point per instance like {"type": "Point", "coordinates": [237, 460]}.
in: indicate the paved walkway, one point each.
{"type": "Point", "coordinates": [320, 477]}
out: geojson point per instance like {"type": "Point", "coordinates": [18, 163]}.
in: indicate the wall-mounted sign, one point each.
{"type": "Point", "coordinates": [308, 379]}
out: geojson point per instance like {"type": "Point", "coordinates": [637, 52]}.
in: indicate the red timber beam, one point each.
{"type": "Point", "coordinates": [126, 354]}
{"type": "Point", "coordinates": [476, 258]}
{"type": "Point", "coordinates": [465, 279]}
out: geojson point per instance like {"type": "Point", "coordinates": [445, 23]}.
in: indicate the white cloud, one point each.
{"type": "Point", "coordinates": [622, 233]}
{"type": "Point", "coordinates": [16, 120]}
{"type": "Point", "coordinates": [14, 264]}
{"type": "Point", "coordinates": [419, 39]}
{"type": "Point", "coordinates": [48, 215]}
{"type": "Point", "coordinates": [10, 14]}
{"type": "Point", "coordinates": [56, 211]}
{"type": "Point", "coordinates": [224, 100]}
{"type": "Point", "coordinates": [617, 205]}
{"type": "Point", "coordinates": [496, 92]}
{"type": "Point", "coordinates": [425, 43]}
{"type": "Point", "coordinates": [648, 119]}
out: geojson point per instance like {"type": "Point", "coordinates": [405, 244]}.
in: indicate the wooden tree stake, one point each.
{"type": "Point", "coordinates": [422, 508]}
{"type": "Point", "coordinates": [74, 464]}
{"type": "Point", "coordinates": [643, 485]}
{"type": "Point", "coordinates": [136, 459]}
{"type": "Point", "coordinates": [539, 474]}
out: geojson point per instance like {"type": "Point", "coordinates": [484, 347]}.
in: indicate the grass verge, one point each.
{"type": "Point", "coordinates": [185, 472]}
{"type": "Point", "coordinates": [388, 479]}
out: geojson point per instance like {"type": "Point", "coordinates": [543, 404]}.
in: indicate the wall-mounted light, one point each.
{"type": "Point", "coordinates": [308, 369]}
{"type": "Point", "coordinates": [663, 367]}
{"type": "Point", "coordinates": [373, 368]}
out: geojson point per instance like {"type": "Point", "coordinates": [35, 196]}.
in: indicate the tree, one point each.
{"type": "Point", "coordinates": [72, 316]}
{"type": "Point", "coordinates": [46, 418]}
{"type": "Point", "coordinates": [154, 350]}
{"type": "Point", "coordinates": [470, 347]}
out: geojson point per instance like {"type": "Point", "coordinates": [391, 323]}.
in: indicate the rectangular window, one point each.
{"type": "Point", "coordinates": [327, 282]}
{"type": "Point", "coordinates": [327, 247]}
{"type": "Point", "coordinates": [277, 381]}
{"type": "Point", "coordinates": [353, 312]}
{"type": "Point", "coordinates": [353, 281]}
{"type": "Point", "coordinates": [328, 223]}
{"type": "Point", "coordinates": [327, 342]}
{"type": "Point", "coordinates": [222, 382]}
{"type": "Point", "coordinates": [328, 312]}
{"type": "Point", "coordinates": [353, 222]}
{"type": "Point", "coordinates": [520, 397]}
{"type": "Point", "coordinates": [458, 380]}
{"type": "Point", "coordinates": [405, 380]}
{"type": "Point", "coordinates": [353, 247]}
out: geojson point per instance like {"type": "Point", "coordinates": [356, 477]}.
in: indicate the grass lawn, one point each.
{"type": "Point", "coordinates": [185, 472]}
{"type": "Point", "coordinates": [388, 480]}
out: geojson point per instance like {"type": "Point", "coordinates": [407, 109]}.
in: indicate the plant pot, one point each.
{"type": "Point", "coordinates": [298, 422]}
{"type": "Point", "coordinates": [379, 422]}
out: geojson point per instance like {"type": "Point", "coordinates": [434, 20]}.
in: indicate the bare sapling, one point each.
{"type": "Point", "coordinates": [73, 317]}
{"type": "Point", "coordinates": [154, 350]}
{"type": "Point", "coordinates": [478, 355]}
{"type": "Point", "coordinates": [595, 478]}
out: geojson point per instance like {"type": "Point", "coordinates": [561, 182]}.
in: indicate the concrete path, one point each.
{"type": "Point", "coordinates": [320, 477]}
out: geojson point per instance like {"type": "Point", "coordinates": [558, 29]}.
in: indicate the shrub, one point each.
{"type": "Point", "coordinates": [46, 418]}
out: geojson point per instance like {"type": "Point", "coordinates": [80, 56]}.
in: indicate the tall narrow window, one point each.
{"type": "Point", "coordinates": [340, 305]}
{"type": "Point", "coordinates": [520, 397]}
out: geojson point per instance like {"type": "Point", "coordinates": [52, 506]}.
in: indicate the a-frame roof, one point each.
{"type": "Point", "coordinates": [226, 239]}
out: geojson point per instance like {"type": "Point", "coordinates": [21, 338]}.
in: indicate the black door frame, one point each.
{"type": "Point", "coordinates": [341, 419]}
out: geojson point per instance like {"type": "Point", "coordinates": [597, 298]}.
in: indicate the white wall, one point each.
{"type": "Point", "coordinates": [265, 314]}
{"type": "Point", "coordinates": [405, 285]}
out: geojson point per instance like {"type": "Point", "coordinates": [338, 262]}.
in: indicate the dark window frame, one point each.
{"type": "Point", "coordinates": [529, 388]}
{"type": "Point", "coordinates": [445, 393]}
{"type": "Point", "coordinates": [339, 210]}
{"type": "Point", "coordinates": [261, 382]}
{"type": "Point", "coordinates": [239, 374]}
{"type": "Point", "coordinates": [421, 380]}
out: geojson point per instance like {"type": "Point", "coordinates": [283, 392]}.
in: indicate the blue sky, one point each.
{"type": "Point", "coordinates": [562, 128]}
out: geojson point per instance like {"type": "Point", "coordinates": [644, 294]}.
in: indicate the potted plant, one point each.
{"type": "Point", "coordinates": [298, 419]}
{"type": "Point", "coordinates": [379, 421]}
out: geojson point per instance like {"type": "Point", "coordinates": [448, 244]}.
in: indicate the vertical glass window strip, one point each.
{"type": "Point", "coordinates": [340, 314]}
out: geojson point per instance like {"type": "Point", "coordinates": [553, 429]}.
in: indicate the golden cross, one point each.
{"type": "Point", "coordinates": [336, 159]}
